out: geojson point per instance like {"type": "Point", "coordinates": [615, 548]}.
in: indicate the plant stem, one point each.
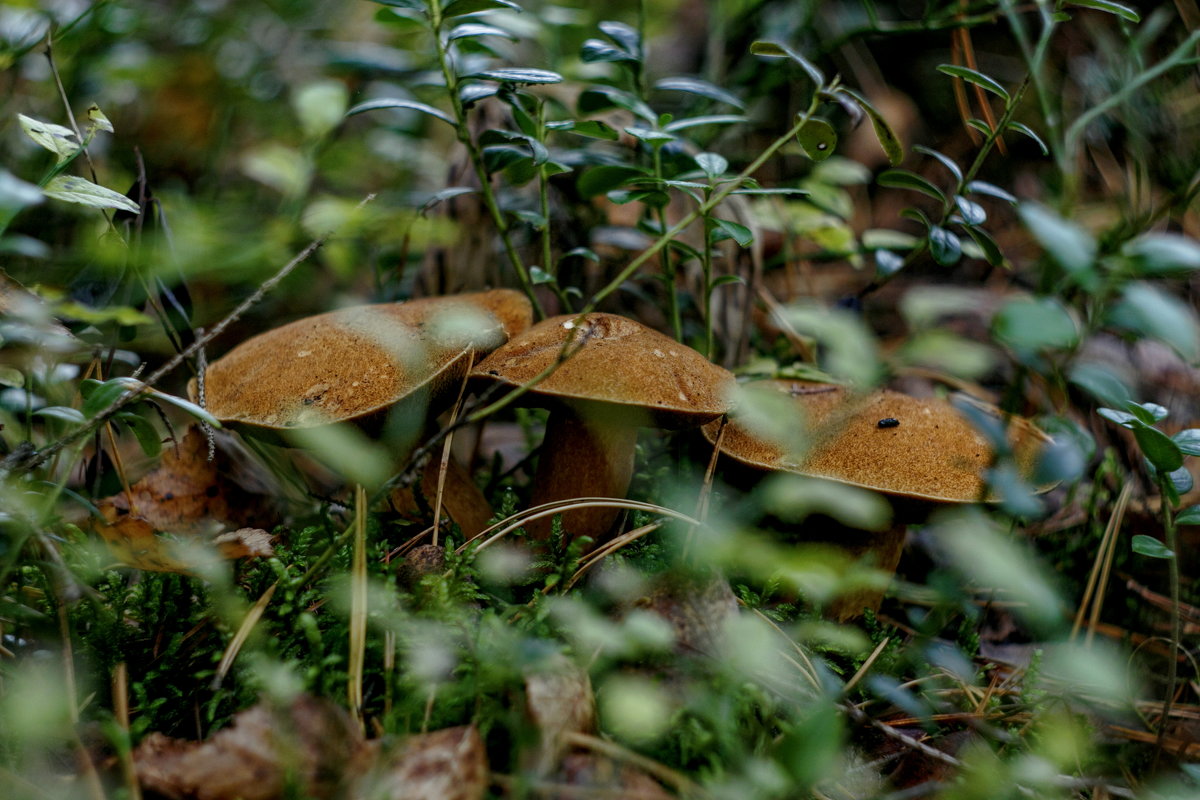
{"type": "Point", "coordinates": [1172, 541]}
{"type": "Point", "coordinates": [703, 209]}
{"type": "Point", "coordinates": [463, 132]}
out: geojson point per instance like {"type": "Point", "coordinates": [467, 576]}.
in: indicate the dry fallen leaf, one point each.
{"type": "Point", "coordinates": [449, 764]}
{"type": "Point", "coordinates": [188, 496]}
{"type": "Point", "coordinates": [313, 743]}
{"type": "Point", "coordinates": [559, 701]}
{"type": "Point", "coordinates": [603, 777]}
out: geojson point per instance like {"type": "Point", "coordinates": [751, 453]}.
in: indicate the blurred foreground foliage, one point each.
{"type": "Point", "coordinates": [983, 196]}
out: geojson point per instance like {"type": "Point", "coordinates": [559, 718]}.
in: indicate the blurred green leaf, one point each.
{"type": "Point", "coordinates": [987, 245]}
{"type": "Point", "coordinates": [711, 164]}
{"type": "Point", "coordinates": [147, 435]}
{"type": "Point", "coordinates": [732, 230]}
{"type": "Point", "coordinates": [16, 194]}
{"type": "Point", "coordinates": [1021, 127]}
{"type": "Point", "coordinates": [62, 414]}
{"type": "Point", "coordinates": [942, 159]}
{"type": "Point", "coordinates": [1189, 516]}
{"type": "Point", "coordinates": [1148, 310]}
{"type": "Point", "coordinates": [1100, 382]}
{"type": "Point", "coordinates": [1035, 324]}
{"type": "Point", "coordinates": [695, 122]}
{"type": "Point", "coordinates": [972, 213]}
{"type": "Point", "coordinates": [471, 30]}
{"type": "Point", "coordinates": [596, 51]}
{"type": "Point", "coordinates": [320, 106]}
{"type": "Point", "coordinates": [1156, 254]}
{"type": "Point", "coordinates": [458, 8]}
{"type": "Point", "coordinates": [1067, 243]}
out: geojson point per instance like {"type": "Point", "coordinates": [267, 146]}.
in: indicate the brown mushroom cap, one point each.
{"type": "Point", "coordinates": [934, 453]}
{"type": "Point", "coordinates": [349, 364]}
{"type": "Point", "coordinates": [621, 362]}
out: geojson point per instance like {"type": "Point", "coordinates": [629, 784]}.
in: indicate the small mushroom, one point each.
{"type": "Point", "coordinates": [362, 364]}
{"type": "Point", "coordinates": [619, 376]}
{"type": "Point", "coordinates": [920, 451]}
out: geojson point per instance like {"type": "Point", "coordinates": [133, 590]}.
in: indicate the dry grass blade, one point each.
{"type": "Point", "coordinates": [358, 608]}
{"type": "Point", "coordinates": [120, 685]}
{"type": "Point", "coordinates": [243, 633]}
{"type": "Point", "coordinates": [1093, 593]}
{"type": "Point", "coordinates": [506, 526]}
{"type": "Point", "coordinates": [449, 440]}
{"type": "Point", "coordinates": [866, 665]}
{"type": "Point", "coordinates": [609, 548]}
{"type": "Point", "coordinates": [674, 779]}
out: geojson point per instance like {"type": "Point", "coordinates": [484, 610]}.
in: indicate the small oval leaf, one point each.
{"type": "Point", "coordinates": [817, 139]}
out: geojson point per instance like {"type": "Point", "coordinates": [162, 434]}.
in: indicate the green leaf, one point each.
{"type": "Point", "coordinates": [458, 8]}
{"type": "Point", "coordinates": [446, 194]}
{"type": "Point", "coordinates": [701, 88]}
{"type": "Point", "coordinates": [519, 76]}
{"type": "Point", "coordinates": [731, 230]}
{"type": "Point", "coordinates": [971, 212]}
{"type": "Point", "coordinates": [603, 179]}
{"type": "Point", "coordinates": [903, 179]}
{"type": "Point", "coordinates": [817, 139]}
{"type": "Point", "coordinates": [97, 121]}
{"type": "Point", "coordinates": [1157, 447]}
{"type": "Point", "coordinates": [55, 138]}
{"type": "Point", "coordinates": [885, 238]}
{"type": "Point", "coordinates": [595, 129]}
{"type": "Point", "coordinates": [97, 396]}
{"type": "Point", "coordinates": [410, 5]}
{"type": "Point", "coordinates": [1181, 481]}
{"type": "Point", "coordinates": [62, 414]}
{"type": "Point", "coordinates": [391, 102]}
{"type": "Point", "coordinates": [1150, 547]}
{"type": "Point", "coordinates": [776, 50]}
{"type": "Point", "coordinates": [944, 160]}
{"type": "Point", "coordinates": [147, 435]}
{"type": "Point", "coordinates": [596, 51]}
{"type": "Point", "coordinates": [944, 246]}
{"type": "Point", "coordinates": [580, 252]}
{"type": "Point", "coordinates": [982, 187]}
{"type": "Point", "coordinates": [186, 406]}
{"type": "Point", "coordinates": [624, 35]}
{"type": "Point", "coordinates": [472, 30]}
{"type": "Point", "coordinates": [985, 242]}
{"type": "Point", "coordinates": [725, 280]}
{"type": "Point", "coordinates": [73, 189]}
{"type": "Point", "coordinates": [1120, 10]}
{"type": "Point", "coordinates": [1157, 254]}
{"type": "Point", "coordinates": [1148, 413]}
{"type": "Point", "coordinates": [1032, 325]}
{"type": "Point", "coordinates": [976, 77]}
{"type": "Point", "coordinates": [1147, 309]}
{"type": "Point", "coordinates": [1021, 127]}
{"type": "Point", "coordinates": [1188, 441]}
{"type": "Point", "coordinates": [713, 165]}
{"type": "Point", "coordinates": [470, 93]}
{"type": "Point", "coordinates": [1122, 418]}
{"type": "Point", "coordinates": [650, 136]}
{"type": "Point", "coordinates": [1067, 243]}
{"type": "Point", "coordinates": [1189, 516]}
{"type": "Point", "coordinates": [602, 98]}
{"type": "Point", "coordinates": [539, 276]}
{"type": "Point", "coordinates": [888, 139]}
{"type": "Point", "coordinates": [11, 377]}
{"type": "Point", "coordinates": [695, 122]}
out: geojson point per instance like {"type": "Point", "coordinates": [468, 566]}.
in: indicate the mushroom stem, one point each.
{"type": "Point", "coordinates": [582, 458]}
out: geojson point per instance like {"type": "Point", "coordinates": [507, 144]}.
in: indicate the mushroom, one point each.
{"type": "Point", "coordinates": [619, 375]}
{"type": "Point", "coordinates": [399, 363]}
{"type": "Point", "coordinates": [920, 451]}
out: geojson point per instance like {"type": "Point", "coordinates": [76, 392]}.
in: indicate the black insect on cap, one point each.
{"type": "Point", "coordinates": [889, 422]}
